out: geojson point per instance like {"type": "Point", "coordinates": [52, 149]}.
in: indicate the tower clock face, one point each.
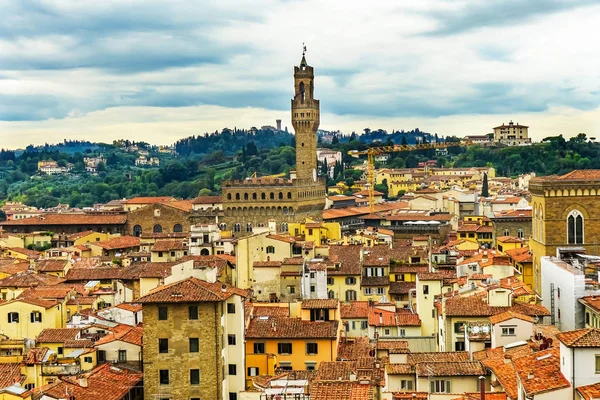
{"type": "Point", "coordinates": [314, 175]}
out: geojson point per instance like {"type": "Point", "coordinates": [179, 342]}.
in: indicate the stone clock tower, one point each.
{"type": "Point", "coordinates": [253, 202]}
{"type": "Point", "coordinates": [305, 119]}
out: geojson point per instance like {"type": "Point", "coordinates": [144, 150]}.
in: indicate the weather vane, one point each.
{"type": "Point", "coordinates": [303, 49]}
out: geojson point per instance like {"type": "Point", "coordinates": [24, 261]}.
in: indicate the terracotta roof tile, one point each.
{"type": "Point", "coordinates": [319, 303]}
{"type": "Point", "coordinates": [12, 266]}
{"type": "Point", "coordinates": [133, 307]}
{"type": "Point", "coordinates": [133, 336]}
{"type": "Point", "coordinates": [28, 279]}
{"type": "Point", "coordinates": [208, 200]}
{"type": "Point", "coordinates": [461, 368]}
{"type": "Point", "coordinates": [400, 369]}
{"type": "Point", "coordinates": [592, 302]}
{"type": "Point", "coordinates": [581, 174]}
{"type": "Point", "coordinates": [118, 243]}
{"type": "Point", "coordinates": [268, 311]}
{"type": "Point", "coordinates": [79, 344]}
{"type": "Point", "coordinates": [435, 357]}
{"type": "Point", "coordinates": [589, 392]}
{"type": "Point", "coordinates": [266, 264]}
{"type": "Point", "coordinates": [475, 306]}
{"type": "Point", "coordinates": [410, 396]}
{"type": "Point", "coordinates": [353, 349]}
{"type": "Point", "coordinates": [401, 287]}
{"type": "Point", "coordinates": [275, 327]}
{"type": "Point", "coordinates": [50, 265]}
{"type": "Point", "coordinates": [505, 374]}
{"type": "Point", "coordinates": [191, 290]}
{"type": "Point", "coordinates": [343, 390]}
{"type": "Point", "coordinates": [35, 355]}
{"type": "Point", "coordinates": [354, 309]}
{"type": "Point", "coordinates": [10, 374]}
{"type": "Point", "coordinates": [90, 274]}
{"type": "Point", "coordinates": [381, 317]}
{"type": "Point", "coordinates": [150, 200]}
{"type": "Point", "coordinates": [293, 261]}
{"type": "Point", "coordinates": [169, 245]}
{"type": "Point", "coordinates": [183, 205]}
{"type": "Point", "coordinates": [588, 337]}
{"type": "Point", "coordinates": [520, 255]}
{"type": "Point", "coordinates": [486, 396]}
{"type": "Point", "coordinates": [540, 372]}
{"type": "Point", "coordinates": [57, 335]}
{"type": "Point", "coordinates": [70, 219]}
{"type": "Point", "coordinates": [348, 258]}
{"type": "Point", "coordinates": [505, 316]}
{"type": "Point", "coordinates": [104, 382]}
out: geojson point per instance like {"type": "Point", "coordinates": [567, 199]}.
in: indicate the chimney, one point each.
{"type": "Point", "coordinates": [223, 288]}
{"type": "Point", "coordinates": [381, 318]}
{"type": "Point", "coordinates": [482, 387]}
{"type": "Point", "coordinates": [83, 382]}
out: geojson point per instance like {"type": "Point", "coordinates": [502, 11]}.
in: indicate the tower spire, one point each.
{"type": "Point", "coordinates": [303, 63]}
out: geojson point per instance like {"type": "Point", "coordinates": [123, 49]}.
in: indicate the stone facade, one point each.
{"type": "Point", "coordinates": [179, 360]}
{"type": "Point", "coordinates": [516, 226]}
{"type": "Point", "coordinates": [152, 216]}
{"type": "Point", "coordinates": [554, 199]}
{"type": "Point", "coordinates": [252, 202]}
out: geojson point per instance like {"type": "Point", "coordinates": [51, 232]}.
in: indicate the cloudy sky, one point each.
{"type": "Point", "coordinates": [161, 70]}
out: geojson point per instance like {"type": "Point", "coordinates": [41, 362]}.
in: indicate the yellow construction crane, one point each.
{"type": "Point", "coordinates": [255, 175]}
{"type": "Point", "coordinates": [375, 151]}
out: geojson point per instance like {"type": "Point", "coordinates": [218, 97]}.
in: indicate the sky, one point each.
{"type": "Point", "coordinates": [160, 71]}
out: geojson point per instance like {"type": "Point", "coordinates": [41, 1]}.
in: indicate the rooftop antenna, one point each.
{"type": "Point", "coordinates": [303, 49]}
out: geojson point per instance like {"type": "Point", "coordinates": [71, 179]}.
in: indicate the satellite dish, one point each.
{"type": "Point", "coordinates": [543, 346]}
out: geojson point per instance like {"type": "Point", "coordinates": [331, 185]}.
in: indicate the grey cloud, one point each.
{"type": "Point", "coordinates": [498, 13]}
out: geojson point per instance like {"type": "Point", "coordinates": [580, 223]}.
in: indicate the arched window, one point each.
{"type": "Point", "coordinates": [254, 196]}
{"type": "Point", "coordinates": [137, 231]}
{"type": "Point", "coordinates": [248, 227]}
{"type": "Point", "coordinates": [245, 196]}
{"type": "Point", "coordinates": [263, 196]}
{"type": "Point", "coordinates": [520, 234]}
{"type": "Point", "coordinates": [289, 195]}
{"type": "Point", "coordinates": [272, 196]}
{"type": "Point", "coordinates": [285, 211]}
{"type": "Point", "coordinates": [237, 228]}
{"type": "Point", "coordinates": [157, 228]}
{"type": "Point", "coordinates": [575, 227]}
{"type": "Point", "coordinates": [284, 227]}
{"type": "Point", "coordinates": [237, 196]}
{"type": "Point", "coordinates": [506, 232]}
{"type": "Point", "coordinates": [280, 196]}
{"type": "Point", "coordinates": [177, 228]}
{"type": "Point", "coordinates": [204, 252]}
{"type": "Point", "coordinates": [228, 196]}
{"type": "Point", "coordinates": [223, 226]}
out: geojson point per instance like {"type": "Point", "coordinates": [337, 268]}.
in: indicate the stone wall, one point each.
{"type": "Point", "coordinates": [178, 329]}
{"type": "Point", "coordinates": [157, 214]}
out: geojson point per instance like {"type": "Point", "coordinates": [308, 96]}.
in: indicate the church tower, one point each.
{"type": "Point", "coordinates": [305, 120]}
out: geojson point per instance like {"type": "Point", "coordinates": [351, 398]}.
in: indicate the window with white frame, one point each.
{"type": "Point", "coordinates": [508, 330]}
{"type": "Point", "coordinates": [575, 227]}
{"type": "Point", "coordinates": [439, 386]}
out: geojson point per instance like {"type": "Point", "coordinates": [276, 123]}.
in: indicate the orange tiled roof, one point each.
{"type": "Point", "coordinates": [266, 264]}
{"type": "Point", "coordinates": [505, 316]}
{"type": "Point", "coordinates": [348, 258]}
{"type": "Point", "coordinates": [191, 290]}
{"type": "Point", "coordinates": [10, 373]}
{"type": "Point", "coordinates": [183, 205]}
{"type": "Point", "coordinates": [342, 390]}
{"type": "Point", "coordinates": [592, 302]}
{"type": "Point", "coordinates": [319, 303]}
{"type": "Point", "coordinates": [208, 200]}
{"type": "Point", "coordinates": [10, 267]}
{"type": "Point", "coordinates": [540, 372]}
{"type": "Point", "coordinates": [353, 349]}
{"type": "Point", "coordinates": [381, 317]}
{"type": "Point", "coordinates": [401, 287]}
{"type": "Point", "coordinates": [581, 174]}
{"type": "Point", "coordinates": [133, 307]}
{"type": "Point", "coordinates": [104, 382]}
{"type": "Point", "coordinates": [57, 335]}
{"type": "Point", "coordinates": [78, 235]}
{"type": "Point", "coordinates": [29, 278]}
{"type": "Point", "coordinates": [133, 336]}
{"type": "Point", "coordinates": [268, 311]}
{"type": "Point", "coordinates": [509, 239]}
{"type": "Point", "coordinates": [410, 396]}
{"type": "Point", "coordinates": [486, 396]}
{"type": "Point", "coordinates": [71, 219]}
{"type": "Point", "coordinates": [274, 327]}
{"type": "Point", "coordinates": [121, 242]}
{"type": "Point", "coordinates": [527, 213]}
{"type": "Point", "coordinates": [589, 392]}
{"type": "Point", "coordinates": [435, 357]}
{"type": "Point", "coordinates": [475, 306]}
{"type": "Point", "coordinates": [50, 265]}
{"type": "Point", "coordinates": [150, 200]}
{"type": "Point", "coordinates": [505, 374]}
{"type": "Point", "coordinates": [354, 310]}
{"type": "Point", "coordinates": [587, 337]}
{"type": "Point", "coordinates": [520, 255]}
{"type": "Point", "coordinates": [35, 355]}
{"type": "Point", "coordinates": [461, 368]}
{"type": "Point", "coordinates": [169, 245]}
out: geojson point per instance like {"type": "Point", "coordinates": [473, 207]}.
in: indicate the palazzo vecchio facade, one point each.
{"type": "Point", "coordinates": [250, 203]}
